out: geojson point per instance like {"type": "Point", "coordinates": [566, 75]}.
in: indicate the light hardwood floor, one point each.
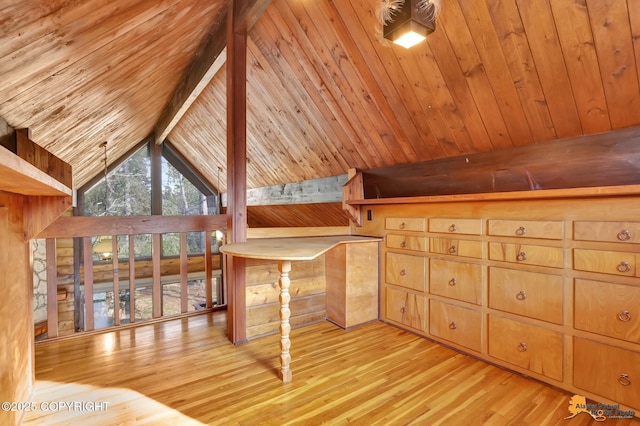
{"type": "Point", "coordinates": [185, 372]}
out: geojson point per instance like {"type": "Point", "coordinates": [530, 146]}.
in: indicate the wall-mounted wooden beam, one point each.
{"type": "Point", "coordinates": [606, 159]}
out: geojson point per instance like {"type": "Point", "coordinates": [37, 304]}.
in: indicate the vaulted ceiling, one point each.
{"type": "Point", "coordinates": [325, 92]}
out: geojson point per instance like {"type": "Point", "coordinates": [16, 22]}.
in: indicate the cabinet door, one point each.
{"type": "Point", "coordinates": [606, 262]}
{"type": "Point", "coordinates": [527, 254]}
{"type": "Point", "coordinates": [531, 294]}
{"type": "Point", "coordinates": [406, 270]}
{"type": "Point", "coordinates": [608, 309]}
{"type": "Point", "coordinates": [455, 324]}
{"type": "Point", "coordinates": [405, 308]}
{"type": "Point", "coordinates": [534, 348]}
{"type": "Point", "coordinates": [608, 371]}
{"type": "Point", "coordinates": [456, 280]}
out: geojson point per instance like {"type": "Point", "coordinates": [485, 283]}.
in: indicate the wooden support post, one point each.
{"type": "Point", "coordinates": [87, 250]}
{"type": "Point", "coordinates": [236, 169]}
{"type": "Point", "coordinates": [52, 288]}
{"type": "Point", "coordinates": [208, 268]}
{"type": "Point", "coordinates": [284, 267]}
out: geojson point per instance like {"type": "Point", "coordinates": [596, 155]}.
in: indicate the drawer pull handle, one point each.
{"type": "Point", "coordinates": [453, 250]}
{"type": "Point", "coordinates": [403, 244]}
{"type": "Point", "coordinates": [624, 316]}
{"type": "Point", "coordinates": [624, 380]}
{"type": "Point", "coordinates": [624, 267]}
{"type": "Point", "coordinates": [522, 256]}
{"type": "Point", "coordinates": [522, 347]}
{"type": "Point", "coordinates": [403, 309]}
{"type": "Point", "coordinates": [453, 282]}
{"type": "Point", "coordinates": [624, 235]}
{"type": "Point", "coordinates": [403, 272]}
{"type": "Point", "coordinates": [521, 231]}
{"type": "Point", "coordinates": [453, 325]}
{"type": "Point", "coordinates": [452, 228]}
{"type": "Point", "coordinates": [522, 295]}
{"type": "Point", "coordinates": [403, 225]}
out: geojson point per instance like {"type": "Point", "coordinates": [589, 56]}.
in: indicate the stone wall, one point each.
{"type": "Point", "coordinates": [39, 267]}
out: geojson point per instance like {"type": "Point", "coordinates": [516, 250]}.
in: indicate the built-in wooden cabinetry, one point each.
{"type": "Point", "coordinates": [549, 288]}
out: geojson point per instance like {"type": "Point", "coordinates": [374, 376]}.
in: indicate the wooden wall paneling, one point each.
{"type": "Point", "coordinates": [156, 254]}
{"type": "Point", "coordinates": [516, 50]}
{"type": "Point", "coordinates": [52, 288]}
{"type": "Point", "coordinates": [87, 253]}
{"type": "Point", "coordinates": [616, 59]}
{"type": "Point", "coordinates": [576, 40]}
{"type": "Point", "coordinates": [184, 299]}
{"type": "Point", "coordinates": [493, 61]}
{"type": "Point", "coordinates": [391, 81]}
{"type": "Point", "coordinates": [540, 28]}
{"type": "Point", "coordinates": [467, 81]}
{"type": "Point", "coordinates": [42, 159]}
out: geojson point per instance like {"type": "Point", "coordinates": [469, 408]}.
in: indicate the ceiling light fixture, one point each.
{"type": "Point", "coordinates": [104, 246]}
{"type": "Point", "coordinates": [408, 22]}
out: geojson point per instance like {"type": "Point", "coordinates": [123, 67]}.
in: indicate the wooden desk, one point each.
{"type": "Point", "coordinates": [284, 250]}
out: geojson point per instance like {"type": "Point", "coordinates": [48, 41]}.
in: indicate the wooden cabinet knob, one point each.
{"type": "Point", "coordinates": [624, 235]}
{"type": "Point", "coordinates": [453, 282]}
{"type": "Point", "coordinates": [403, 272]}
{"type": "Point", "coordinates": [624, 267]}
{"type": "Point", "coordinates": [403, 244]}
{"type": "Point", "coordinates": [522, 256]}
{"type": "Point", "coordinates": [453, 250]}
{"type": "Point", "coordinates": [403, 225]}
{"type": "Point", "coordinates": [522, 295]}
{"type": "Point", "coordinates": [624, 380]}
{"type": "Point", "coordinates": [453, 325]}
{"type": "Point", "coordinates": [403, 309]}
{"type": "Point", "coordinates": [624, 316]}
{"type": "Point", "coordinates": [452, 228]}
{"type": "Point", "coordinates": [522, 347]}
{"type": "Point", "coordinates": [521, 231]}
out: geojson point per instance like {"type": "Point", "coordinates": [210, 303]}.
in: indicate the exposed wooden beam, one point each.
{"type": "Point", "coordinates": [312, 191]}
{"type": "Point", "coordinates": [208, 61]}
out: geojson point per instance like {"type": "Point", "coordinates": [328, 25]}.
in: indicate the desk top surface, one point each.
{"type": "Point", "coordinates": [295, 248]}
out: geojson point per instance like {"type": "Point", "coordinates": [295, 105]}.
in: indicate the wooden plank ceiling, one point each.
{"type": "Point", "coordinates": [325, 93]}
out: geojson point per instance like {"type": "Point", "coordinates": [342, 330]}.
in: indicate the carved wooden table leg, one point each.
{"type": "Point", "coordinates": [284, 266]}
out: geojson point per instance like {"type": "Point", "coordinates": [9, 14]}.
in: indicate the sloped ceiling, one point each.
{"type": "Point", "coordinates": [324, 92]}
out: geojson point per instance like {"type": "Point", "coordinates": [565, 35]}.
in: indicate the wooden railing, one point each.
{"type": "Point", "coordinates": [85, 229]}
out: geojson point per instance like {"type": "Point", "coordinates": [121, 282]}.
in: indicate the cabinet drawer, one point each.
{"type": "Point", "coordinates": [527, 346]}
{"type": "Point", "coordinates": [407, 242]}
{"type": "Point", "coordinates": [455, 324]}
{"type": "Point", "coordinates": [405, 308]}
{"type": "Point", "coordinates": [608, 371]}
{"type": "Point", "coordinates": [606, 262]}
{"type": "Point", "coordinates": [608, 309]}
{"type": "Point", "coordinates": [530, 294]}
{"type": "Point", "coordinates": [456, 247]}
{"type": "Point", "coordinates": [460, 281]}
{"type": "Point", "coordinates": [551, 230]}
{"type": "Point", "coordinates": [456, 226]}
{"type": "Point", "coordinates": [618, 232]}
{"type": "Point", "coordinates": [527, 254]}
{"type": "Point", "coordinates": [406, 270]}
{"type": "Point", "coordinates": [405, 223]}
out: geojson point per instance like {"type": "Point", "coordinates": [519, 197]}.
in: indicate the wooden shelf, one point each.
{"type": "Point", "coordinates": [600, 191]}
{"type": "Point", "coordinates": [19, 177]}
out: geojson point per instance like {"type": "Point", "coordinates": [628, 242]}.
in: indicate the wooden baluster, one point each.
{"type": "Point", "coordinates": [184, 291]}
{"type": "Point", "coordinates": [116, 281]}
{"type": "Point", "coordinates": [87, 249]}
{"type": "Point", "coordinates": [156, 252]}
{"type": "Point", "coordinates": [284, 266]}
{"type": "Point", "coordinates": [132, 280]}
{"type": "Point", "coordinates": [208, 270]}
{"type": "Point", "coordinates": [52, 288]}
